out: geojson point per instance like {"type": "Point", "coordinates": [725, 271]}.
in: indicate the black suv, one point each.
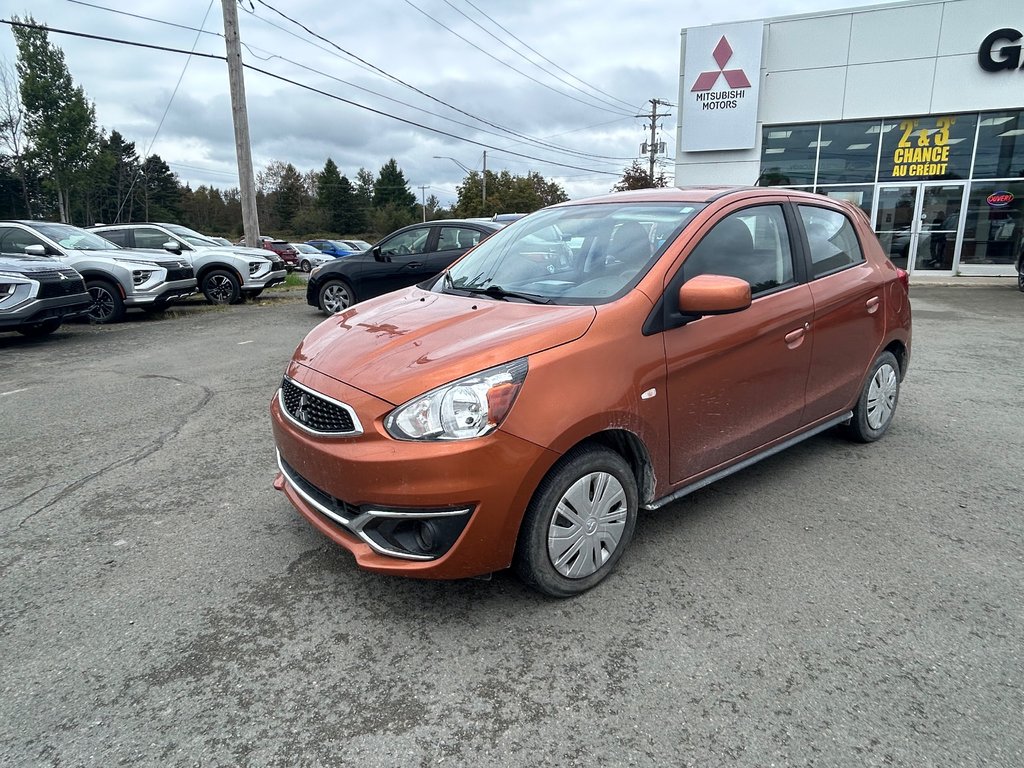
{"type": "Point", "coordinates": [37, 294]}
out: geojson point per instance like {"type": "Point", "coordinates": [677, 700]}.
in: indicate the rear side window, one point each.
{"type": "Point", "coordinates": [116, 236]}
{"type": "Point", "coordinates": [832, 240]}
{"type": "Point", "coordinates": [752, 244]}
{"type": "Point", "coordinates": [452, 238]}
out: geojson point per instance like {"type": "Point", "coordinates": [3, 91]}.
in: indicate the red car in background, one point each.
{"type": "Point", "coordinates": [282, 248]}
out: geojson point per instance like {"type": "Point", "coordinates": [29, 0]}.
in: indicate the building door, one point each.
{"type": "Point", "coordinates": [918, 224]}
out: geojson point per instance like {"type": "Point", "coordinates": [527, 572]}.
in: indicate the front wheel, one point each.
{"type": "Point", "coordinates": [220, 287]}
{"type": "Point", "coordinates": [578, 523]}
{"type": "Point", "coordinates": [305, 265]}
{"type": "Point", "coordinates": [107, 305]}
{"type": "Point", "coordinates": [43, 328]}
{"type": "Point", "coordinates": [335, 296]}
{"type": "Point", "coordinates": [878, 399]}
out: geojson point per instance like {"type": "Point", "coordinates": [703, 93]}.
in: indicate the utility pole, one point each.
{"type": "Point", "coordinates": [423, 198]}
{"type": "Point", "coordinates": [654, 147]}
{"type": "Point", "coordinates": [243, 150]}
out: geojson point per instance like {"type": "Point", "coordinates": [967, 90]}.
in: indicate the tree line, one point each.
{"type": "Point", "coordinates": [56, 163]}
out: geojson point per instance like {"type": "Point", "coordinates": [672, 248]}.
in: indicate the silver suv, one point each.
{"type": "Point", "coordinates": [226, 274]}
{"type": "Point", "coordinates": [117, 279]}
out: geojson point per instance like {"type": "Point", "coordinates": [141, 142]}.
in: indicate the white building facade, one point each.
{"type": "Point", "coordinates": [912, 110]}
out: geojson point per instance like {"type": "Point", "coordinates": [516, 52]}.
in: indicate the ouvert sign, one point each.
{"type": "Point", "coordinates": [720, 87]}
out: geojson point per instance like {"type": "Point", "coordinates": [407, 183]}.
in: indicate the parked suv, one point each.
{"type": "Point", "coordinates": [37, 294]}
{"type": "Point", "coordinates": [117, 279]}
{"type": "Point", "coordinates": [596, 358]}
{"type": "Point", "coordinates": [225, 274]}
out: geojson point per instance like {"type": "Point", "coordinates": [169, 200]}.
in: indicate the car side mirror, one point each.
{"type": "Point", "coordinates": [172, 246]}
{"type": "Point", "coordinates": [377, 255]}
{"type": "Point", "coordinates": [713, 295]}
{"type": "Point", "coordinates": [35, 250]}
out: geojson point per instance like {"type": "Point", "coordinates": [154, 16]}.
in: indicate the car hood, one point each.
{"type": "Point", "coordinates": [408, 342]}
{"type": "Point", "coordinates": [240, 250]}
{"type": "Point", "coordinates": [26, 264]}
{"type": "Point", "coordinates": [127, 255]}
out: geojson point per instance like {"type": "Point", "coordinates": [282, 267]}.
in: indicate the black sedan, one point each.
{"type": "Point", "coordinates": [403, 258]}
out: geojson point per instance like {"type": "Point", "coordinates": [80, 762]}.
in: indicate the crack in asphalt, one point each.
{"type": "Point", "coordinates": [146, 451]}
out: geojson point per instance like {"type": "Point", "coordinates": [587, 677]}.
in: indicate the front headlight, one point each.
{"type": "Point", "coordinates": [140, 276]}
{"type": "Point", "coordinates": [254, 266]}
{"type": "Point", "coordinates": [464, 409]}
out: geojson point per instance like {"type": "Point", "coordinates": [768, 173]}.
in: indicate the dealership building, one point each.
{"type": "Point", "coordinates": [912, 110]}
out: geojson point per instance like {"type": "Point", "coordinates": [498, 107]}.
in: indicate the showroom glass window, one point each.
{"type": "Point", "coordinates": [994, 225]}
{"type": "Point", "coordinates": [927, 148]}
{"type": "Point", "coordinates": [1000, 153]}
{"type": "Point", "coordinates": [848, 152]}
{"type": "Point", "coordinates": [788, 155]}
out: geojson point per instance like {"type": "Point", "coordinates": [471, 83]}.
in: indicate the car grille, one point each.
{"type": "Point", "coordinates": [52, 284]}
{"type": "Point", "coordinates": [179, 273]}
{"type": "Point", "coordinates": [276, 265]}
{"type": "Point", "coordinates": [315, 413]}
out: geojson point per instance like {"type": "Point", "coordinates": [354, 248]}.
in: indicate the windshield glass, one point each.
{"type": "Point", "coordinates": [303, 248]}
{"type": "Point", "coordinates": [585, 254]}
{"type": "Point", "coordinates": [67, 236]}
{"type": "Point", "coordinates": [192, 237]}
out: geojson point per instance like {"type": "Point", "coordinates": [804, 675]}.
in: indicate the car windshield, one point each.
{"type": "Point", "coordinates": [303, 248]}
{"type": "Point", "coordinates": [192, 237]}
{"type": "Point", "coordinates": [585, 254]}
{"type": "Point", "coordinates": [67, 236]}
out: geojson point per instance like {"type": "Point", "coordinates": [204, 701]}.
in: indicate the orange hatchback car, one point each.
{"type": "Point", "coordinates": [593, 359]}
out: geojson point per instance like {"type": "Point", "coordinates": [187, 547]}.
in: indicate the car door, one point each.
{"type": "Point", "coordinates": [736, 381]}
{"type": "Point", "coordinates": [400, 260]}
{"type": "Point", "coordinates": [849, 311]}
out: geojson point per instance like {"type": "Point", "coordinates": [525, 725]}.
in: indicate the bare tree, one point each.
{"type": "Point", "coordinates": [12, 115]}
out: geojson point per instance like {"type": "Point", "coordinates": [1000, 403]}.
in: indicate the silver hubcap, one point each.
{"type": "Point", "coordinates": [220, 289]}
{"type": "Point", "coordinates": [882, 396]}
{"type": "Point", "coordinates": [336, 298]}
{"type": "Point", "coordinates": [587, 525]}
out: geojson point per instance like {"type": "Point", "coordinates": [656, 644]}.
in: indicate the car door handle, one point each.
{"type": "Point", "coordinates": [872, 304]}
{"type": "Point", "coordinates": [414, 264]}
{"type": "Point", "coordinates": [793, 337]}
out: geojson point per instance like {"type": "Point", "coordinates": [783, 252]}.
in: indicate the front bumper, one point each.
{"type": "Point", "coordinates": [40, 310]}
{"type": "Point", "coordinates": [259, 282]}
{"type": "Point", "coordinates": [343, 485]}
{"type": "Point", "coordinates": [162, 294]}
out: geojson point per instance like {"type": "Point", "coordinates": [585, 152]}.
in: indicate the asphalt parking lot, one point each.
{"type": "Point", "coordinates": [836, 605]}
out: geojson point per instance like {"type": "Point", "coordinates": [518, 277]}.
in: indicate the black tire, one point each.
{"type": "Point", "coordinates": [597, 487]}
{"type": "Point", "coordinates": [40, 329]}
{"type": "Point", "coordinates": [107, 305]}
{"type": "Point", "coordinates": [1020, 281]}
{"type": "Point", "coordinates": [305, 266]}
{"type": "Point", "coordinates": [878, 399]}
{"type": "Point", "coordinates": [335, 296]}
{"type": "Point", "coordinates": [220, 286]}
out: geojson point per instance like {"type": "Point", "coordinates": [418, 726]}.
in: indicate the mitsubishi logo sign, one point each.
{"type": "Point", "coordinates": [736, 78]}
{"type": "Point", "coordinates": [720, 85]}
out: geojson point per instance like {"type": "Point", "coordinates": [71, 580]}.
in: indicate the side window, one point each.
{"type": "Point", "coordinates": [832, 239]}
{"type": "Point", "coordinates": [752, 244]}
{"type": "Point", "coordinates": [146, 237]}
{"type": "Point", "coordinates": [14, 240]}
{"type": "Point", "coordinates": [452, 238]}
{"type": "Point", "coordinates": [116, 236]}
{"type": "Point", "coordinates": [413, 241]}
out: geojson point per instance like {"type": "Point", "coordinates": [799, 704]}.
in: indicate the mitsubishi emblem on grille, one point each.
{"type": "Point", "coordinates": [300, 411]}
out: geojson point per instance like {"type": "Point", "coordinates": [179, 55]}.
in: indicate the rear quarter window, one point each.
{"type": "Point", "coordinates": [832, 240]}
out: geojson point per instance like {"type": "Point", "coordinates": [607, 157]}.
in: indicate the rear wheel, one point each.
{"type": "Point", "coordinates": [336, 296]}
{"type": "Point", "coordinates": [44, 328]}
{"type": "Point", "coordinates": [1020, 281]}
{"type": "Point", "coordinates": [579, 522]}
{"type": "Point", "coordinates": [877, 404]}
{"type": "Point", "coordinates": [107, 305]}
{"type": "Point", "coordinates": [220, 287]}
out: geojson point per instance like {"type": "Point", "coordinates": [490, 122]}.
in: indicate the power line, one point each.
{"type": "Point", "coordinates": [545, 58]}
{"type": "Point", "coordinates": [399, 81]}
{"type": "Point", "coordinates": [526, 58]}
{"type": "Point", "coordinates": [304, 87]}
{"type": "Point", "coordinates": [616, 110]}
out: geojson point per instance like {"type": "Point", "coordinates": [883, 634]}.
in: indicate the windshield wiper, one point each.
{"type": "Point", "coordinates": [497, 292]}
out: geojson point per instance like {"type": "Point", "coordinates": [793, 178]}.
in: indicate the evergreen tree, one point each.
{"type": "Point", "coordinates": [161, 192]}
{"type": "Point", "coordinates": [391, 188]}
{"type": "Point", "coordinates": [333, 197]}
{"type": "Point", "coordinates": [60, 123]}
{"type": "Point", "coordinates": [364, 199]}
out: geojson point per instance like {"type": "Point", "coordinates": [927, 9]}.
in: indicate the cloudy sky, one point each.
{"type": "Point", "coordinates": [552, 86]}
